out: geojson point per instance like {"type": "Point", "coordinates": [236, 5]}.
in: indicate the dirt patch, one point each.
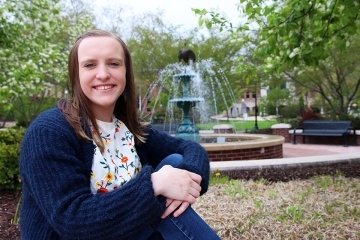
{"type": "Point", "coordinates": [8, 204]}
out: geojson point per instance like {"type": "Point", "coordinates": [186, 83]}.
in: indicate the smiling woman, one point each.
{"type": "Point", "coordinates": [91, 170]}
{"type": "Point", "coordinates": [102, 74]}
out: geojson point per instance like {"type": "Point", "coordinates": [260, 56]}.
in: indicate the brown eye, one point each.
{"type": "Point", "coordinates": [115, 64]}
{"type": "Point", "coordinates": [89, 65]}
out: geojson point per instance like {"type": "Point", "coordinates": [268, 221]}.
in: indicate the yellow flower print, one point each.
{"type": "Point", "coordinates": [105, 141]}
{"type": "Point", "coordinates": [109, 177]}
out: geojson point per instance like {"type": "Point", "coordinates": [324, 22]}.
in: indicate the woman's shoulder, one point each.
{"type": "Point", "coordinates": [50, 115]}
{"type": "Point", "coordinates": [52, 118]}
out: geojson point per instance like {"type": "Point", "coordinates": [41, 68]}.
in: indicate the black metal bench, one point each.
{"type": "Point", "coordinates": [325, 129]}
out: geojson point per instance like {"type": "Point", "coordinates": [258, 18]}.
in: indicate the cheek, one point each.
{"type": "Point", "coordinates": [84, 85]}
{"type": "Point", "coordinates": [121, 78]}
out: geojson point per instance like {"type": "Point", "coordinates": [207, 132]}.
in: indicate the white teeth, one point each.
{"type": "Point", "coordinates": [103, 87]}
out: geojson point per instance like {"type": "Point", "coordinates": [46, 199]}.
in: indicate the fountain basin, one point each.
{"type": "Point", "coordinates": [187, 99]}
{"type": "Point", "coordinates": [232, 147]}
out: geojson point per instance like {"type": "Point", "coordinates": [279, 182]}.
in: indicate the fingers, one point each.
{"type": "Point", "coordinates": [168, 202]}
{"type": "Point", "coordinates": [195, 177]}
{"type": "Point", "coordinates": [194, 192]}
{"type": "Point", "coordinates": [178, 184]}
{"type": "Point", "coordinates": [190, 198]}
{"type": "Point", "coordinates": [196, 186]}
{"type": "Point", "coordinates": [176, 206]}
{"type": "Point", "coordinates": [181, 209]}
{"type": "Point", "coordinates": [171, 205]}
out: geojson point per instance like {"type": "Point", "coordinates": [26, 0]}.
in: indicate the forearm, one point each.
{"type": "Point", "coordinates": [159, 145]}
{"type": "Point", "coordinates": [58, 181]}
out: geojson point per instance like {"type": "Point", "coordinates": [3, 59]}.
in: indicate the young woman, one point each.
{"type": "Point", "coordinates": [91, 170]}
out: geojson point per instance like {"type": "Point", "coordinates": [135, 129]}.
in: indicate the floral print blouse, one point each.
{"type": "Point", "coordinates": [119, 162]}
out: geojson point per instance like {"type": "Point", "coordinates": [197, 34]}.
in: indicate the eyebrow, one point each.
{"type": "Point", "coordinates": [116, 59]}
{"type": "Point", "coordinates": [110, 59]}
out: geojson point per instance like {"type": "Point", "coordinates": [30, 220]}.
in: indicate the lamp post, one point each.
{"type": "Point", "coordinates": [256, 127]}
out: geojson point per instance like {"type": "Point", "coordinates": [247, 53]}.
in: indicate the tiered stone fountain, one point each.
{"type": "Point", "coordinates": [186, 128]}
{"type": "Point", "coordinates": [186, 100]}
{"type": "Point", "coordinates": [187, 92]}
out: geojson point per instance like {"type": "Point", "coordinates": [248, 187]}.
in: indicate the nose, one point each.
{"type": "Point", "coordinates": [102, 72]}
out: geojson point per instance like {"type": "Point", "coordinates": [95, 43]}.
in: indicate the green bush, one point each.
{"type": "Point", "coordinates": [355, 122]}
{"type": "Point", "coordinates": [9, 157]}
{"type": "Point", "coordinates": [289, 111]}
{"type": "Point", "coordinates": [25, 108]}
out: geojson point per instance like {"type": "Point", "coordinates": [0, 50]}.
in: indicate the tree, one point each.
{"type": "Point", "coordinates": [35, 37]}
{"type": "Point", "coordinates": [295, 36]}
{"type": "Point", "coordinates": [277, 96]}
{"type": "Point", "coordinates": [293, 32]}
{"type": "Point", "coordinates": [336, 80]}
{"type": "Point", "coordinates": [155, 46]}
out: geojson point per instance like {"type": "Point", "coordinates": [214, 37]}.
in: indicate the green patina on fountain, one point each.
{"type": "Point", "coordinates": [186, 101]}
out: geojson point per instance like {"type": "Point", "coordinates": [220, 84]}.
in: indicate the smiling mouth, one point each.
{"type": "Point", "coordinates": [104, 87]}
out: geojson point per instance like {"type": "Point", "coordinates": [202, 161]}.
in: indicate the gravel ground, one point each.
{"type": "Point", "coordinates": [322, 207]}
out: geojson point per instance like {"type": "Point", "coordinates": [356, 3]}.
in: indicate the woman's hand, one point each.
{"type": "Point", "coordinates": [177, 184]}
{"type": "Point", "coordinates": [172, 205]}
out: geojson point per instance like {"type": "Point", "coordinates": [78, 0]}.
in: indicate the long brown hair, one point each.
{"type": "Point", "coordinates": [77, 110]}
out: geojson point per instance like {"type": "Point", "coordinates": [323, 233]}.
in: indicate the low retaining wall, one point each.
{"type": "Point", "coordinates": [244, 147]}
{"type": "Point", "coordinates": [287, 169]}
{"type": "Point", "coordinates": [245, 154]}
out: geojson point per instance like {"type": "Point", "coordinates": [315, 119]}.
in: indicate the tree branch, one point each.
{"type": "Point", "coordinates": [329, 19]}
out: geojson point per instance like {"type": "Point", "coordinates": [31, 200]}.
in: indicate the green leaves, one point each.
{"type": "Point", "coordinates": [211, 18]}
{"type": "Point", "coordinates": [29, 55]}
{"type": "Point", "coordinates": [35, 37]}
{"type": "Point", "coordinates": [9, 154]}
{"type": "Point", "coordinates": [294, 37]}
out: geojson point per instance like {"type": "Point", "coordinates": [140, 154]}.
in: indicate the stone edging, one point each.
{"type": "Point", "coordinates": [285, 169]}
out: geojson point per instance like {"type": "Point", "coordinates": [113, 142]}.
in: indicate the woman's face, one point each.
{"type": "Point", "coordinates": [102, 74]}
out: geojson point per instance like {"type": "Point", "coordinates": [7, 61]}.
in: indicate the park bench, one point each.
{"type": "Point", "coordinates": [325, 129]}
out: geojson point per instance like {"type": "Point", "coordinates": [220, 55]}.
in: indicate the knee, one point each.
{"type": "Point", "coordinates": [174, 160]}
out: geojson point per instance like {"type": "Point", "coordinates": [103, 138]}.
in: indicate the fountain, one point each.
{"type": "Point", "coordinates": [207, 81]}
{"type": "Point", "coordinates": [186, 100]}
{"type": "Point", "coordinates": [186, 128]}
{"type": "Point", "coordinates": [190, 87]}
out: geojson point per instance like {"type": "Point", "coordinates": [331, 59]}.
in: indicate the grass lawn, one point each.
{"type": "Point", "coordinates": [323, 207]}
{"type": "Point", "coordinates": [240, 125]}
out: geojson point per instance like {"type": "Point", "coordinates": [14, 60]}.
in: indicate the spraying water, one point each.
{"type": "Point", "coordinates": [201, 88]}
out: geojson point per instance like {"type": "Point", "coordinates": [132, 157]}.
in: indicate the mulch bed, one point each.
{"type": "Point", "coordinates": [8, 204]}
{"type": "Point", "coordinates": [322, 207]}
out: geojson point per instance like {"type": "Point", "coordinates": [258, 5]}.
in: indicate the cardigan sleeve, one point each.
{"type": "Point", "coordinates": [55, 174]}
{"type": "Point", "coordinates": [159, 144]}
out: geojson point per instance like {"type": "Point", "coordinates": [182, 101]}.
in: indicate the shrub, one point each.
{"type": "Point", "coordinates": [9, 157]}
{"type": "Point", "coordinates": [289, 111]}
{"type": "Point", "coordinates": [354, 120]}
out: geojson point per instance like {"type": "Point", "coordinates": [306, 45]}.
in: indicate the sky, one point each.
{"type": "Point", "coordinates": [176, 12]}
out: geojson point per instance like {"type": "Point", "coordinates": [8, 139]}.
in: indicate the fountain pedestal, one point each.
{"type": "Point", "coordinates": [186, 101]}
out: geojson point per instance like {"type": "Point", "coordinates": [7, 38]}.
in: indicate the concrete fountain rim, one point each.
{"type": "Point", "coordinates": [251, 141]}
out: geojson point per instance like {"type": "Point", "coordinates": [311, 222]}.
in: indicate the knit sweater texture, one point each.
{"type": "Point", "coordinates": [57, 202]}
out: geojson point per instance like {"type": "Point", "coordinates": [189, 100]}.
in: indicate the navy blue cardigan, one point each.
{"type": "Point", "coordinates": [55, 170]}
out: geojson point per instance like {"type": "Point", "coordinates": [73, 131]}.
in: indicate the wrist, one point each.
{"type": "Point", "coordinates": [155, 183]}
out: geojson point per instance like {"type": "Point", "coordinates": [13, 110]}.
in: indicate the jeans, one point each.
{"type": "Point", "coordinates": [189, 225]}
